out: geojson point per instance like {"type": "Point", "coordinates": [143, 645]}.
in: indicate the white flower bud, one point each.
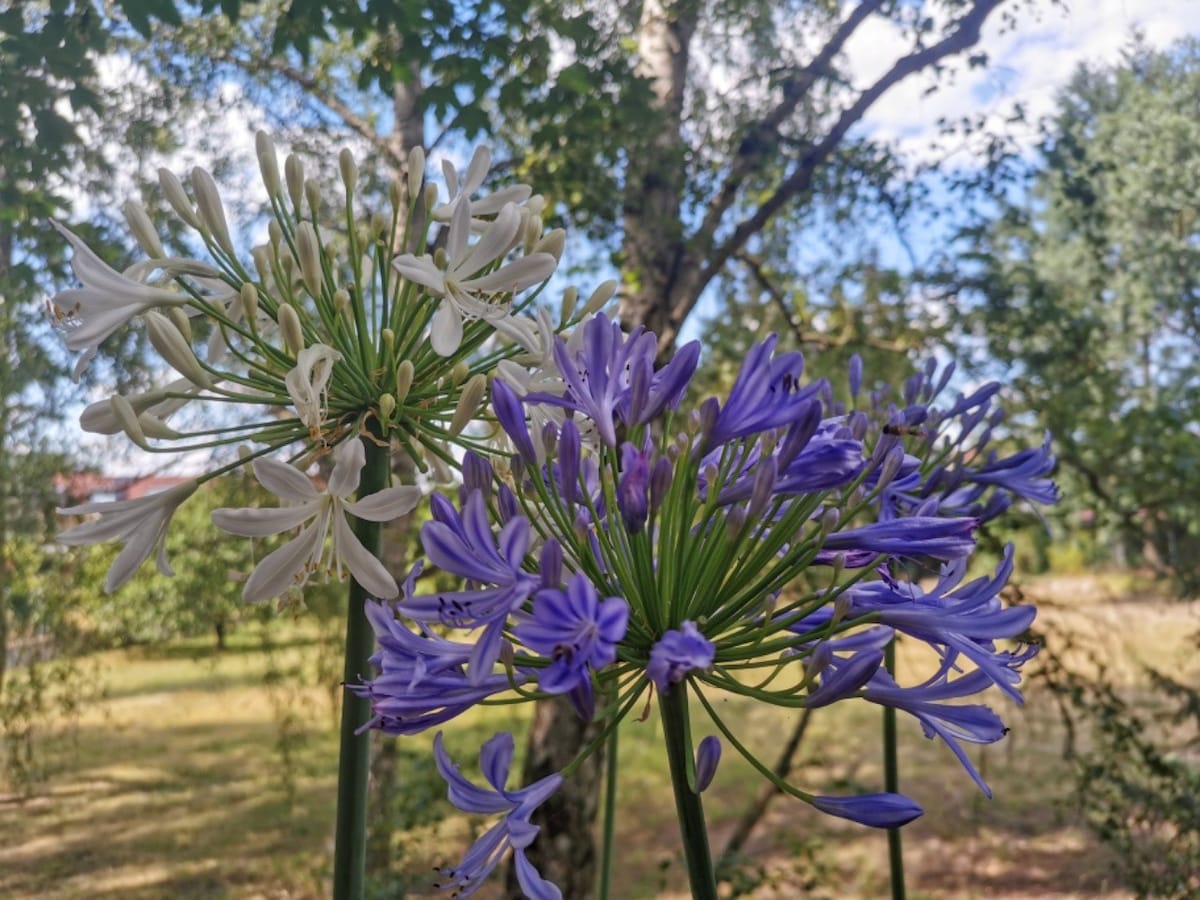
{"type": "Point", "coordinates": [404, 380]}
{"type": "Point", "coordinates": [600, 296]}
{"type": "Point", "coordinates": [387, 408]}
{"type": "Point", "coordinates": [250, 305]}
{"type": "Point", "coordinates": [431, 195]}
{"type": "Point", "coordinates": [416, 171]}
{"type": "Point", "coordinates": [142, 229]}
{"type": "Point", "coordinates": [268, 164]}
{"type": "Point", "coordinates": [293, 172]}
{"type": "Point", "coordinates": [208, 201]}
{"type": "Point", "coordinates": [459, 373]}
{"type": "Point", "coordinates": [349, 169]}
{"type": "Point", "coordinates": [468, 403]}
{"type": "Point", "coordinates": [290, 328]}
{"type": "Point", "coordinates": [312, 193]}
{"type": "Point", "coordinates": [153, 426]}
{"type": "Point", "coordinates": [182, 322]}
{"type": "Point", "coordinates": [396, 195]}
{"type": "Point", "coordinates": [128, 420]}
{"type": "Point", "coordinates": [308, 250]}
{"type": "Point", "coordinates": [553, 242]}
{"type": "Point", "coordinates": [174, 349]}
{"type": "Point", "coordinates": [536, 205]}
{"type": "Point", "coordinates": [177, 197]}
{"type": "Point", "coordinates": [569, 301]}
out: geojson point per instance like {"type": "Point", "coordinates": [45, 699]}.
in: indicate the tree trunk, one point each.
{"type": "Point", "coordinates": [565, 849]}
{"type": "Point", "coordinates": [652, 247]}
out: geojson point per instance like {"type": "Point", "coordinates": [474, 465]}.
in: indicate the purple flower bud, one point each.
{"type": "Point", "coordinates": [856, 373]}
{"type": "Point", "coordinates": [947, 374]}
{"type": "Point", "coordinates": [708, 755]}
{"type": "Point", "coordinates": [477, 475]}
{"type": "Point", "coordinates": [510, 413]}
{"type": "Point", "coordinates": [550, 563]}
{"type": "Point", "coordinates": [549, 439]}
{"type": "Point", "coordinates": [892, 461]}
{"type": "Point", "coordinates": [764, 485]}
{"type": "Point", "coordinates": [660, 482]}
{"type": "Point", "coordinates": [875, 810]}
{"type": "Point", "coordinates": [633, 487]}
{"type": "Point", "coordinates": [569, 449]}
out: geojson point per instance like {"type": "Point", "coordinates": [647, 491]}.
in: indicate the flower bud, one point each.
{"type": "Point", "coordinates": [599, 297]}
{"type": "Point", "coordinates": [553, 242]}
{"type": "Point", "coordinates": [312, 193]}
{"type": "Point", "coordinates": [290, 328]}
{"type": "Point", "coordinates": [569, 301]}
{"type": "Point", "coordinates": [249, 295]}
{"type": "Point", "coordinates": [890, 466]}
{"type": "Point", "coordinates": [177, 197]}
{"type": "Point", "coordinates": [536, 205]}
{"type": "Point", "coordinates": [387, 408]}
{"type": "Point", "coordinates": [268, 163]}
{"type": "Point", "coordinates": [309, 253]}
{"type": "Point", "coordinates": [708, 755]}
{"type": "Point", "coordinates": [379, 224]}
{"type": "Point", "coordinates": [416, 171]}
{"type": "Point", "coordinates": [396, 195]}
{"type": "Point", "coordinates": [550, 439]}
{"type": "Point", "coordinates": [128, 420]}
{"type": "Point", "coordinates": [404, 380]}
{"type": "Point", "coordinates": [343, 305]}
{"type": "Point", "coordinates": [293, 171]}
{"type": "Point", "coordinates": [856, 374]}
{"type": "Point", "coordinates": [153, 426]}
{"type": "Point", "coordinates": [735, 520]}
{"type": "Point", "coordinates": [142, 229]}
{"type": "Point", "coordinates": [430, 198]}
{"type": "Point", "coordinates": [468, 403]}
{"type": "Point", "coordinates": [764, 486]}
{"type": "Point", "coordinates": [530, 230]}
{"type": "Point", "coordinates": [660, 482]}
{"type": "Point", "coordinates": [459, 373]}
{"type": "Point", "coordinates": [208, 201]}
{"type": "Point", "coordinates": [829, 520]}
{"type": "Point", "coordinates": [174, 349]}
{"type": "Point", "coordinates": [348, 168]}
{"type": "Point", "coordinates": [389, 340]}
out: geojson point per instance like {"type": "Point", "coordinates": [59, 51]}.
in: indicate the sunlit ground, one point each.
{"type": "Point", "coordinates": [175, 785]}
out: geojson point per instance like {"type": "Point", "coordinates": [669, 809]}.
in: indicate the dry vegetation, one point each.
{"type": "Point", "coordinates": [174, 786]}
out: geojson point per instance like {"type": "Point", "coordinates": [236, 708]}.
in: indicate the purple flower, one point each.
{"type": "Point", "coordinates": [943, 539]}
{"type": "Point", "coordinates": [465, 546]}
{"type": "Point", "coordinates": [1022, 474]}
{"type": "Point", "coordinates": [876, 810]}
{"type": "Point", "coordinates": [576, 630]}
{"type": "Point", "coordinates": [510, 413]}
{"type": "Point", "coordinates": [611, 376]}
{"type": "Point", "coordinates": [676, 654]}
{"type": "Point", "coordinates": [975, 724]}
{"type": "Point", "coordinates": [514, 830]}
{"type": "Point", "coordinates": [766, 394]}
{"type": "Point", "coordinates": [956, 619]}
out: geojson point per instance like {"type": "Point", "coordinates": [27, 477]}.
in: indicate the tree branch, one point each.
{"type": "Point", "coordinates": [795, 88]}
{"type": "Point", "coordinates": [713, 259]}
{"type": "Point", "coordinates": [812, 338]}
{"type": "Point", "coordinates": [356, 123]}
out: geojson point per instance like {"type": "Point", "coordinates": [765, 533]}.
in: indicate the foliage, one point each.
{"type": "Point", "coordinates": [1087, 276]}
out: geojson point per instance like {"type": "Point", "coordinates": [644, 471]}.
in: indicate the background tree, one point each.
{"type": "Point", "coordinates": [1087, 287]}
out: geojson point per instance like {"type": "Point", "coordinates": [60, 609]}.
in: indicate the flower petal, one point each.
{"type": "Point", "coordinates": [385, 505]}
{"type": "Point", "coordinates": [367, 570]}
{"type": "Point", "coordinates": [284, 481]}
{"type": "Point", "coordinates": [281, 569]}
{"type": "Point", "coordinates": [260, 522]}
{"type": "Point", "coordinates": [349, 457]}
{"type": "Point", "coordinates": [445, 333]}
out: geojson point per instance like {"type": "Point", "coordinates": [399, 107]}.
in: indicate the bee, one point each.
{"type": "Point", "coordinates": [905, 430]}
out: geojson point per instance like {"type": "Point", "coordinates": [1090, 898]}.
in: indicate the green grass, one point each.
{"type": "Point", "coordinates": [175, 785]}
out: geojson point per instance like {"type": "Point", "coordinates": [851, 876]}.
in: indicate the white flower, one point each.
{"type": "Point", "coordinates": [152, 407]}
{"type": "Point", "coordinates": [470, 182]}
{"type": "Point", "coordinates": [141, 524]}
{"type": "Point", "coordinates": [106, 301]}
{"type": "Point", "coordinates": [306, 383]}
{"type": "Point", "coordinates": [293, 563]}
{"type": "Point", "coordinates": [457, 283]}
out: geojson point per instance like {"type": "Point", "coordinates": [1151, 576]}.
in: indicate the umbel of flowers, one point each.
{"type": "Point", "coordinates": [348, 332]}
{"type": "Point", "coordinates": [767, 545]}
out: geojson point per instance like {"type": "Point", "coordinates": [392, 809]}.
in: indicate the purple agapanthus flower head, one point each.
{"type": "Point", "coordinates": [514, 831]}
{"type": "Point", "coordinates": [677, 653]}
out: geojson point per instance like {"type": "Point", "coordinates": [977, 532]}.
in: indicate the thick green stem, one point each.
{"type": "Point", "coordinates": [610, 811]}
{"type": "Point", "coordinates": [891, 781]}
{"type": "Point", "coordinates": [350, 841]}
{"type": "Point", "coordinates": [673, 706]}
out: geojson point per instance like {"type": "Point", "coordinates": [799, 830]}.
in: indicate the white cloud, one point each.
{"type": "Point", "coordinates": [1028, 64]}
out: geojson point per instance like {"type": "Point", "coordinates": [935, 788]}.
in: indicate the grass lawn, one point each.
{"type": "Point", "coordinates": [212, 775]}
